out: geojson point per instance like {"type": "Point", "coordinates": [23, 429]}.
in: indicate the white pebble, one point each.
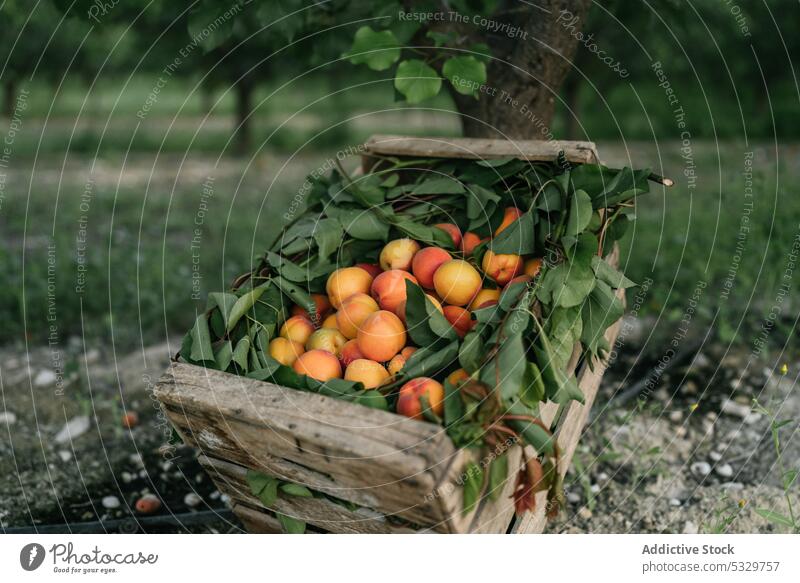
{"type": "Point", "coordinates": [725, 470]}
{"type": "Point", "coordinates": [690, 527]}
{"type": "Point", "coordinates": [8, 418]}
{"type": "Point", "coordinates": [191, 500]}
{"type": "Point", "coordinates": [735, 409]}
{"type": "Point", "coordinates": [674, 502]}
{"type": "Point", "coordinates": [701, 468]}
{"type": "Point", "coordinates": [715, 456]}
{"type": "Point", "coordinates": [110, 502]}
{"type": "Point", "coordinates": [127, 477]}
{"type": "Point", "coordinates": [45, 378]}
{"type": "Point", "coordinates": [64, 455]}
{"type": "Point", "coordinates": [676, 416]}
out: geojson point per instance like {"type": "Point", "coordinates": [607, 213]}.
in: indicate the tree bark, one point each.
{"type": "Point", "coordinates": [525, 73]}
{"type": "Point", "coordinates": [244, 105]}
{"type": "Point", "coordinates": [572, 93]}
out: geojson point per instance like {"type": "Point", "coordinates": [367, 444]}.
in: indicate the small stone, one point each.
{"type": "Point", "coordinates": [676, 416]}
{"type": "Point", "coordinates": [214, 495]}
{"type": "Point", "coordinates": [110, 502]}
{"type": "Point", "coordinates": [724, 471]}
{"type": "Point", "coordinates": [701, 361]}
{"type": "Point", "coordinates": [126, 477]}
{"type": "Point", "coordinates": [602, 477]}
{"type": "Point", "coordinates": [65, 455]}
{"type": "Point", "coordinates": [166, 465]}
{"type": "Point", "coordinates": [733, 486]}
{"type": "Point", "coordinates": [752, 418]}
{"type": "Point", "coordinates": [45, 378]}
{"type": "Point", "coordinates": [574, 498]}
{"type": "Point", "coordinates": [225, 499]}
{"type": "Point", "coordinates": [681, 431]}
{"type": "Point", "coordinates": [715, 456]}
{"type": "Point", "coordinates": [73, 428]}
{"type": "Point", "coordinates": [164, 477]}
{"type": "Point", "coordinates": [735, 409]}
{"type": "Point", "coordinates": [594, 488]}
{"type": "Point", "coordinates": [136, 459]}
{"type": "Point", "coordinates": [700, 469]}
{"type": "Point", "coordinates": [689, 388]}
{"type": "Point", "coordinates": [142, 473]}
{"type": "Point", "coordinates": [8, 418]}
{"type": "Point", "coordinates": [585, 513]}
{"type": "Point", "coordinates": [192, 500]}
{"type": "Point", "coordinates": [674, 502]}
{"type": "Point", "coordinates": [198, 478]}
{"type": "Point", "coordinates": [690, 527]}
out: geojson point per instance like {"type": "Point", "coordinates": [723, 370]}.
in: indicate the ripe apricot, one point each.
{"type": "Point", "coordinates": [485, 297]}
{"type": "Point", "coordinates": [318, 364]}
{"type": "Point", "coordinates": [396, 364]}
{"type": "Point", "coordinates": [330, 322]}
{"type": "Point", "coordinates": [353, 312]}
{"type": "Point", "coordinates": [457, 377]}
{"type": "Point", "coordinates": [510, 214]}
{"type": "Point", "coordinates": [426, 262]}
{"type": "Point", "coordinates": [389, 288]}
{"type": "Point", "coordinates": [372, 268]}
{"type": "Point", "coordinates": [409, 403]}
{"type": "Point", "coordinates": [469, 242]}
{"type": "Point", "coordinates": [285, 351]}
{"type": "Point", "coordinates": [368, 372]}
{"type": "Point", "coordinates": [130, 420]}
{"type": "Point", "coordinates": [408, 351]}
{"type": "Point", "coordinates": [350, 352]}
{"type": "Point", "coordinates": [532, 267]}
{"type": "Point", "coordinates": [453, 231]}
{"type": "Point", "coordinates": [501, 267]}
{"type": "Point", "coordinates": [345, 282]}
{"type": "Point", "coordinates": [322, 307]}
{"type": "Point", "coordinates": [381, 336]}
{"type": "Point", "coordinates": [457, 282]}
{"type": "Point", "coordinates": [297, 329]}
{"type": "Point", "coordinates": [459, 319]}
{"type": "Point", "coordinates": [398, 254]}
{"type": "Point", "coordinates": [328, 340]}
{"type": "Point", "coordinates": [519, 278]}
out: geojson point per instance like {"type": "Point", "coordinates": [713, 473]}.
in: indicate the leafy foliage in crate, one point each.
{"type": "Point", "coordinates": [515, 353]}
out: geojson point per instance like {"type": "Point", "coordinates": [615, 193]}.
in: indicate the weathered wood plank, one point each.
{"type": "Point", "coordinates": [256, 521]}
{"type": "Point", "coordinates": [394, 460]}
{"type": "Point", "coordinates": [321, 512]}
{"type": "Point", "coordinates": [477, 148]}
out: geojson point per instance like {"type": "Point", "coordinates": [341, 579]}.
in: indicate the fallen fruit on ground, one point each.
{"type": "Point", "coordinates": [409, 400]}
{"type": "Point", "coordinates": [148, 504]}
{"type": "Point", "coordinates": [318, 364]}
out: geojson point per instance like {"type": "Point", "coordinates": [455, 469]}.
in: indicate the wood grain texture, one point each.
{"type": "Point", "coordinates": [478, 148]}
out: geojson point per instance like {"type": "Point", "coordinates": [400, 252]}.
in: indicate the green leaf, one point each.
{"type": "Point", "coordinates": [296, 294]}
{"type": "Point", "coordinates": [225, 302]}
{"type": "Point", "coordinates": [580, 213]}
{"type": "Point", "coordinates": [519, 238]}
{"type": "Point", "coordinates": [201, 340]}
{"type": "Point", "coordinates": [424, 322]}
{"type": "Point", "coordinates": [241, 352]}
{"type": "Point", "coordinates": [438, 185]}
{"type": "Point", "coordinates": [328, 236]}
{"type": "Point", "coordinates": [498, 474]}
{"type": "Point", "coordinates": [223, 355]}
{"type": "Point", "coordinates": [609, 275]}
{"type": "Point", "coordinates": [506, 370]}
{"type": "Point", "coordinates": [453, 405]}
{"type": "Point", "coordinates": [291, 525]}
{"type": "Point", "coordinates": [424, 233]}
{"type": "Point", "coordinates": [378, 50]}
{"type": "Point", "coordinates": [473, 483]}
{"type": "Point", "coordinates": [774, 517]}
{"type": "Point", "coordinates": [243, 304]}
{"type": "Point", "coordinates": [480, 201]}
{"type": "Point", "coordinates": [417, 81]}
{"type": "Point", "coordinates": [533, 389]}
{"type": "Point", "coordinates": [471, 353]}
{"type": "Point", "coordinates": [566, 285]}
{"type": "Point", "coordinates": [602, 309]}
{"type": "Point", "coordinates": [373, 399]}
{"type": "Point", "coordinates": [208, 27]}
{"type": "Point", "coordinates": [466, 74]}
{"type": "Point", "coordinates": [558, 387]}
{"type": "Point", "coordinates": [263, 486]}
{"type": "Point", "coordinates": [429, 360]}
{"type": "Point", "coordinates": [296, 490]}
{"type": "Point", "coordinates": [361, 224]}
{"type": "Point", "coordinates": [564, 328]}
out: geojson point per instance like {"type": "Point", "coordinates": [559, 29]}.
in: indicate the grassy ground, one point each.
{"type": "Point", "coordinates": [138, 192]}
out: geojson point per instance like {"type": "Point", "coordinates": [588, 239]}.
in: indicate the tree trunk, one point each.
{"type": "Point", "coordinates": [525, 73]}
{"type": "Point", "coordinates": [572, 114]}
{"type": "Point", "coordinates": [9, 96]}
{"type": "Point", "coordinates": [244, 95]}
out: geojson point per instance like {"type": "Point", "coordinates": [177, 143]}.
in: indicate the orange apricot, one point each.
{"type": "Point", "coordinates": [285, 351]}
{"type": "Point", "coordinates": [532, 267]}
{"type": "Point", "coordinates": [381, 336]}
{"type": "Point", "coordinates": [501, 267]}
{"type": "Point", "coordinates": [510, 214]}
{"type": "Point", "coordinates": [389, 288]}
{"type": "Point", "coordinates": [372, 268]}
{"type": "Point", "coordinates": [330, 322]}
{"type": "Point", "coordinates": [396, 364]}
{"type": "Point", "coordinates": [485, 297]}
{"type": "Point", "coordinates": [368, 372]}
{"type": "Point", "coordinates": [398, 254]}
{"type": "Point", "coordinates": [353, 312]}
{"type": "Point", "coordinates": [409, 400]}
{"type": "Point", "coordinates": [297, 329]}
{"type": "Point", "coordinates": [345, 282]}
{"type": "Point", "coordinates": [457, 377]}
{"type": "Point", "coordinates": [469, 242]}
{"type": "Point", "coordinates": [457, 282]}
{"type": "Point", "coordinates": [459, 319]}
{"type": "Point", "coordinates": [426, 262]}
{"type": "Point", "coordinates": [318, 364]}
{"type": "Point", "coordinates": [350, 352]}
{"type": "Point", "coordinates": [453, 231]}
{"type": "Point", "coordinates": [322, 307]}
{"type": "Point", "coordinates": [408, 351]}
{"type": "Point", "coordinates": [328, 340]}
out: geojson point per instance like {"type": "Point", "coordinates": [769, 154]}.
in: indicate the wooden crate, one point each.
{"type": "Point", "coordinates": [379, 472]}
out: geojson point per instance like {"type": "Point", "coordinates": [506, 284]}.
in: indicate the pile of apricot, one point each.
{"type": "Point", "coordinates": [357, 330]}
